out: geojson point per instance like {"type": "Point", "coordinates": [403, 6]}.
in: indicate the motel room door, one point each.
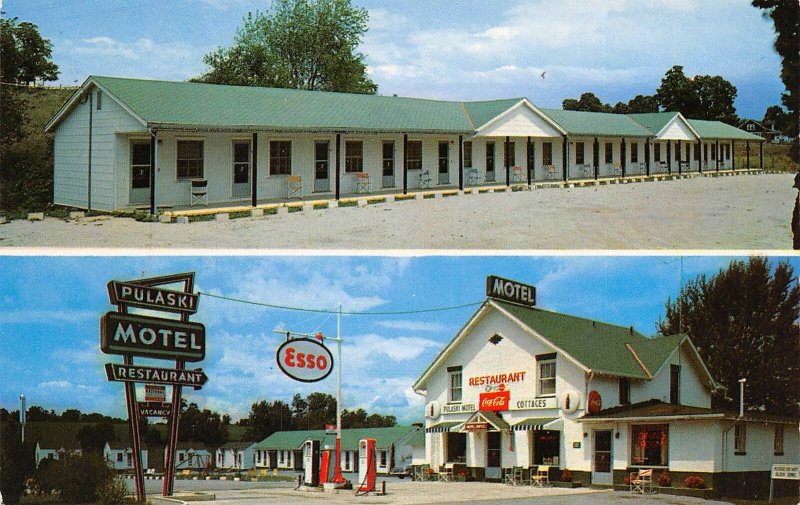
{"type": "Point", "coordinates": [493, 450]}
{"type": "Point", "coordinates": [601, 467]}
{"type": "Point", "coordinates": [322, 178]}
{"type": "Point", "coordinates": [140, 172]}
{"type": "Point", "coordinates": [388, 164]}
{"type": "Point", "coordinates": [241, 169]}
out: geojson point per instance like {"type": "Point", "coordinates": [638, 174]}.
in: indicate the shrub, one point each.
{"type": "Point", "coordinates": [627, 480]}
{"type": "Point", "coordinates": [566, 476]}
{"type": "Point", "coordinates": [694, 482]}
{"type": "Point", "coordinates": [76, 478]}
{"type": "Point", "coordinates": [664, 479]}
{"type": "Point", "coordinates": [112, 491]}
{"type": "Point", "coordinates": [12, 477]}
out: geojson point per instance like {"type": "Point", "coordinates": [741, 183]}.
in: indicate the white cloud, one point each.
{"type": "Point", "coordinates": [413, 325]}
{"type": "Point", "coordinates": [46, 316]}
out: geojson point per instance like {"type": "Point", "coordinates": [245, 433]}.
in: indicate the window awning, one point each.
{"type": "Point", "coordinates": [442, 427]}
{"type": "Point", "coordinates": [540, 423]}
{"type": "Point", "coordinates": [489, 419]}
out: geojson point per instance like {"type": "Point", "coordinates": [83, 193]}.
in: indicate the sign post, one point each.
{"type": "Point", "coordinates": [132, 335]}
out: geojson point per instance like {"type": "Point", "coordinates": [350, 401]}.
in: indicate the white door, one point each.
{"type": "Point", "coordinates": [601, 466]}
{"type": "Point", "coordinates": [140, 172]}
{"type": "Point", "coordinates": [241, 169]}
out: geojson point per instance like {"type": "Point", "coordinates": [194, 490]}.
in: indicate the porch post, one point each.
{"type": "Point", "coordinates": [623, 156]}
{"type": "Point", "coordinates": [461, 163]}
{"type": "Point", "coordinates": [733, 155]}
{"type": "Point", "coordinates": [530, 162]}
{"type": "Point", "coordinates": [747, 144]}
{"type": "Point", "coordinates": [669, 156]}
{"type": "Point", "coordinates": [716, 149]}
{"type": "Point", "coordinates": [699, 155]}
{"type": "Point", "coordinates": [405, 163]}
{"type": "Point", "coordinates": [564, 159]}
{"type": "Point", "coordinates": [254, 189]}
{"type": "Point", "coordinates": [506, 148]}
{"type": "Point", "coordinates": [761, 154]}
{"type": "Point", "coordinates": [153, 170]}
{"type": "Point", "coordinates": [647, 155]}
{"type": "Point", "coordinates": [338, 163]}
{"type": "Point", "coordinates": [596, 158]}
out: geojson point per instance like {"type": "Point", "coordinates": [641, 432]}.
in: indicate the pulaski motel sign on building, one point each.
{"type": "Point", "coordinates": [130, 335]}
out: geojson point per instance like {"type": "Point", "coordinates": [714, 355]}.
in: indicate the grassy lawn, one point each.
{"type": "Point", "coordinates": [776, 157]}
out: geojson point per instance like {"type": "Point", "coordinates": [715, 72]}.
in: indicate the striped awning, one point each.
{"type": "Point", "coordinates": [442, 427]}
{"type": "Point", "coordinates": [539, 423]}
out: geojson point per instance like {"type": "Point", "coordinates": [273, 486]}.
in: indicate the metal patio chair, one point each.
{"type": "Point", "coordinates": [425, 179]}
{"type": "Point", "coordinates": [199, 192]}
{"type": "Point", "coordinates": [588, 170]}
{"type": "Point", "coordinates": [362, 182]}
{"type": "Point", "coordinates": [551, 171]}
{"type": "Point", "coordinates": [516, 174]}
{"type": "Point", "coordinates": [472, 176]}
{"type": "Point", "coordinates": [641, 482]}
{"type": "Point", "coordinates": [295, 186]}
{"type": "Point", "coordinates": [541, 477]}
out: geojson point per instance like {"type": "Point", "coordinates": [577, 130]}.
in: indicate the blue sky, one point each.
{"type": "Point", "coordinates": [50, 309]}
{"type": "Point", "coordinates": [447, 49]}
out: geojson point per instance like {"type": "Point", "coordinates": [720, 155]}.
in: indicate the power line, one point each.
{"type": "Point", "coordinates": [344, 313]}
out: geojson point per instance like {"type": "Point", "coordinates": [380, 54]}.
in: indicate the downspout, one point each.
{"type": "Point", "coordinates": [89, 165]}
{"type": "Point", "coordinates": [153, 169]}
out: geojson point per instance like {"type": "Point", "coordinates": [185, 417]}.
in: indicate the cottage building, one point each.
{"type": "Point", "coordinates": [237, 455]}
{"type": "Point", "coordinates": [127, 143]}
{"type": "Point", "coordinates": [523, 386]}
{"type": "Point", "coordinates": [119, 455]}
{"type": "Point", "coordinates": [55, 449]}
{"type": "Point", "coordinates": [191, 456]}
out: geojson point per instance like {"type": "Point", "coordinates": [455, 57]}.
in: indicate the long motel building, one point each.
{"type": "Point", "coordinates": [521, 386]}
{"type": "Point", "coordinates": [123, 143]}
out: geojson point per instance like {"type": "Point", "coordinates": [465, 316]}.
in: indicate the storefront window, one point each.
{"type": "Point", "coordinates": [456, 447]}
{"type": "Point", "coordinates": [546, 445]}
{"type": "Point", "coordinates": [649, 445]}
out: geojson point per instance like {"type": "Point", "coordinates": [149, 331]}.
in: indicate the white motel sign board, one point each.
{"type": "Point", "coordinates": [786, 472]}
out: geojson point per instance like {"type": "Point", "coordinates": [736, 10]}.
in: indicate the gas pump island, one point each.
{"type": "Point", "coordinates": [305, 358]}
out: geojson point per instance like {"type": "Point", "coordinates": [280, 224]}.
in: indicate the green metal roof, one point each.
{"type": "Point", "coordinates": [483, 112]}
{"type": "Point", "coordinates": [653, 121]}
{"type": "Point", "coordinates": [654, 351]}
{"type": "Point", "coordinates": [596, 123]}
{"type": "Point", "coordinates": [384, 437]}
{"type": "Point", "coordinates": [189, 104]}
{"type": "Point", "coordinates": [720, 130]}
{"type": "Point", "coordinates": [598, 346]}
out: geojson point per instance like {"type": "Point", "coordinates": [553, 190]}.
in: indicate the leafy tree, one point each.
{"type": "Point", "coordinates": [777, 118]}
{"type": "Point", "coordinates": [642, 103]}
{"type": "Point", "coordinates": [785, 15]}
{"type": "Point", "coordinates": [588, 102]}
{"type": "Point", "coordinates": [13, 469]}
{"type": "Point", "coordinates": [744, 322]}
{"type": "Point", "coordinates": [71, 415]}
{"type": "Point", "coordinates": [359, 419]}
{"type": "Point", "coordinates": [93, 437]}
{"type": "Point", "coordinates": [699, 97]}
{"type": "Point", "coordinates": [202, 426]}
{"type": "Point", "coordinates": [302, 44]}
{"type": "Point", "coordinates": [677, 93]}
{"type": "Point", "coordinates": [25, 56]}
{"type": "Point", "coordinates": [266, 418]}
{"type": "Point", "coordinates": [76, 478]}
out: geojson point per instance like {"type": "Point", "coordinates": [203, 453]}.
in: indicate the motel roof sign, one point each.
{"type": "Point", "coordinates": [510, 291]}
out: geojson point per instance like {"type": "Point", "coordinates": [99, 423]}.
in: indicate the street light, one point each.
{"type": "Point", "coordinates": [22, 415]}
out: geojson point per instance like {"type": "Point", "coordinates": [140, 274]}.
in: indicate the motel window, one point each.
{"type": "Point", "coordinates": [99, 99]}
{"type": "Point", "coordinates": [778, 444]}
{"type": "Point", "coordinates": [697, 153]}
{"type": "Point", "coordinates": [414, 155]}
{"type": "Point", "coordinates": [579, 156]}
{"type": "Point", "coordinates": [512, 154]}
{"type": "Point", "coordinates": [190, 159]}
{"type": "Point", "coordinates": [353, 156]}
{"type": "Point", "coordinates": [280, 457]}
{"type": "Point", "coordinates": [705, 152]}
{"type": "Point", "coordinates": [468, 154]}
{"type": "Point", "coordinates": [751, 127]}
{"type": "Point", "coordinates": [546, 367]}
{"type": "Point", "coordinates": [634, 152]}
{"type": "Point", "coordinates": [650, 445]}
{"type": "Point", "coordinates": [119, 457]}
{"type": "Point", "coordinates": [388, 158]}
{"type": "Point", "coordinates": [546, 447]}
{"type": "Point", "coordinates": [728, 151]}
{"type": "Point", "coordinates": [609, 151]}
{"type": "Point", "coordinates": [180, 456]}
{"type": "Point", "coordinates": [140, 164]}
{"type": "Point", "coordinates": [657, 152]}
{"type": "Point", "coordinates": [241, 162]}
{"type": "Point", "coordinates": [678, 151]}
{"type": "Point", "coordinates": [740, 439]}
{"type": "Point", "coordinates": [382, 459]}
{"type": "Point", "coordinates": [674, 384]}
{"type": "Point", "coordinates": [280, 157]}
{"type": "Point", "coordinates": [454, 373]}
{"type": "Point", "coordinates": [624, 391]}
{"type": "Point", "coordinates": [547, 153]}
{"type": "Point", "coordinates": [490, 156]}
{"type": "Point", "coordinates": [456, 447]}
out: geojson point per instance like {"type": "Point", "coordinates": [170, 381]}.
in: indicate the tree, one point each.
{"type": "Point", "coordinates": [202, 426]}
{"type": "Point", "coordinates": [588, 102]}
{"type": "Point", "coordinates": [744, 322]}
{"type": "Point", "coordinates": [93, 437]}
{"type": "Point", "coordinates": [699, 97]}
{"type": "Point", "coordinates": [677, 94]}
{"type": "Point", "coordinates": [776, 117]}
{"type": "Point", "coordinates": [13, 469]}
{"type": "Point", "coordinates": [642, 103]}
{"type": "Point", "coordinates": [785, 15]}
{"type": "Point", "coordinates": [266, 418]}
{"type": "Point", "coordinates": [25, 56]}
{"type": "Point", "coordinates": [302, 44]}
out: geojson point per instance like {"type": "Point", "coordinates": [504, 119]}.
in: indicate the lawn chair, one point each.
{"type": "Point", "coordinates": [472, 176]}
{"type": "Point", "coordinates": [199, 192]}
{"type": "Point", "coordinates": [515, 476]}
{"type": "Point", "coordinates": [425, 179]}
{"type": "Point", "coordinates": [295, 185]}
{"type": "Point", "coordinates": [541, 477]}
{"type": "Point", "coordinates": [642, 168]}
{"type": "Point", "coordinates": [516, 174]}
{"type": "Point", "coordinates": [420, 473]}
{"type": "Point", "coordinates": [588, 171]}
{"type": "Point", "coordinates": [617, 169]}
{"type": "Point", "coordinates": [362, 182]}
{"type": "Point", "coordinates": [641, 482]}
{"type": "Point", "coordinates": [446, 473]}
{"type": "Point", "coordinates": [551, 171]}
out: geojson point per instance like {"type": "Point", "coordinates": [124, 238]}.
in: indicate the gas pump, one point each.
{"type": "Point", "coordinates": [326, 469]}
{"type": "Point", "coordinates": [311, 462]}
{"type": "Point", "coordinates": [366, 465]}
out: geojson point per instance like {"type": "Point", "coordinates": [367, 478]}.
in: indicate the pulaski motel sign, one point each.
{"type": "Point", "coordinates": [135, 335]}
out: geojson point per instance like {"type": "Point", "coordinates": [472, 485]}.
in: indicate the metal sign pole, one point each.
{"type": "Point", "coordinates": [337, 473]}
{"type": "Point", "coordinates": [133, 418]}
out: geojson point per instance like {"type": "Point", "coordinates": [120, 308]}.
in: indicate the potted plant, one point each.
{"type": "Point", "coordinates": [566, 476]}
{"type": "Point", "coordinates": [664, 479]}
{"type": "Point", "coordinates": [694, 482]}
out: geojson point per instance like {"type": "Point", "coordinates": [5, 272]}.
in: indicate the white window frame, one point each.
{"type": "Point", "coordinates": [740, 439]}
{"type": "Point", "coordinates": [455, 375]}
{"type": "Point", "coordinates": [187, 177]}
{"type": "Point", "coordinates": [545, 363]}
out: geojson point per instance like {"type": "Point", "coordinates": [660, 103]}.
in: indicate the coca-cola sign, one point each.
{"type": "Point", "coordinates": [496, 401]}
{"type": "Point", "coordinates": [595, 403]}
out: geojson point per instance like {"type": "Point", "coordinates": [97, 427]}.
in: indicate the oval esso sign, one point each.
{"type": "Point", "coordinates": [305, 360]}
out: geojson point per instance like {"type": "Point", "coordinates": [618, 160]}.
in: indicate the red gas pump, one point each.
{"type": "Point", "coordinates": [366, 465]}
{"type": "Point", "coordinates": [326, 467]}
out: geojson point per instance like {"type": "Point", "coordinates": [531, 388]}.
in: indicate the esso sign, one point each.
{"type": "Point", "coordinates": [305, 360]}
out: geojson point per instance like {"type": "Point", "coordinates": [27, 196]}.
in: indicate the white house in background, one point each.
{"type": "Point", "coordinates": [523, 386]}
{"type": "Point", "coordinates": [47, 450]}
{"type": "Point", "coordinates": [119, 455]}
{"type": "Point", "coordinates": [237, 455]}
{"type": "Point", "coordinates": [129, 143]}
{"type": "Point", "coordinates": [191, 456]}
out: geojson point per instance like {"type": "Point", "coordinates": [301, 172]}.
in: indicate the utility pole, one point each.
{"type": "Point", "coordinates": [22, 412]}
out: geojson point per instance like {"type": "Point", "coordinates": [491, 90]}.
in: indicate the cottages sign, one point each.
{"type": "Point", "coordinates": [510, 291]}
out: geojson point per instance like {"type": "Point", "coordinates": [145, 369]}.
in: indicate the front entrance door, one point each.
{"type": "Point", "coordinates": [388, 164]}
{"type": "Point", "coordinates": [444, 163]}
{"type": "Point", "coordinates": [322, 181]}
{"type": "Point", "coordinates": [601, 469]}
{"type": "Point", "coordinates": [241, 169]}
{"type": "Point", "coordinates": [140, 172]}
{"type": "Point", "coordinates": [493, 450]}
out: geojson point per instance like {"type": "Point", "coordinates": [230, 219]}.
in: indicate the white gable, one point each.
{"type": "Point", "coordinates": [519, 121]}
{"type": "Point", "coordinates": [676, 129]}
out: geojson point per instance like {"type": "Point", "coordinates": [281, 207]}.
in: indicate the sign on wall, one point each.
{"type": "Point", "coordinates": [595, 403]}
{"type": "Point", "coordinates": [304, 359]}
{"type": "Point", "coordinates": [533, 403]}
{"type": "Point", "coordinates": [476, 426]}
{"type": "Point", "coordinates": [459, 408]}
{"type": "Point", "coordinates": [510, 291]}
{"type": "Point", "coordinates": [497, 401]}
{"type": "Point", "coordinates": [786, 472]}
{"type": "Point", "coordinates": [154, 409]}
{"type": "Point", "coordinates": [152, 337]}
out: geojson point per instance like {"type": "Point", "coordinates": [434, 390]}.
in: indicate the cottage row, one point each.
{"type": "Point", "coordinates": [127, 143]}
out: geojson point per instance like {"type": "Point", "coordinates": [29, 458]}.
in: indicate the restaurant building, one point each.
{"type": "Point", "coordinates": [522, 386]}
